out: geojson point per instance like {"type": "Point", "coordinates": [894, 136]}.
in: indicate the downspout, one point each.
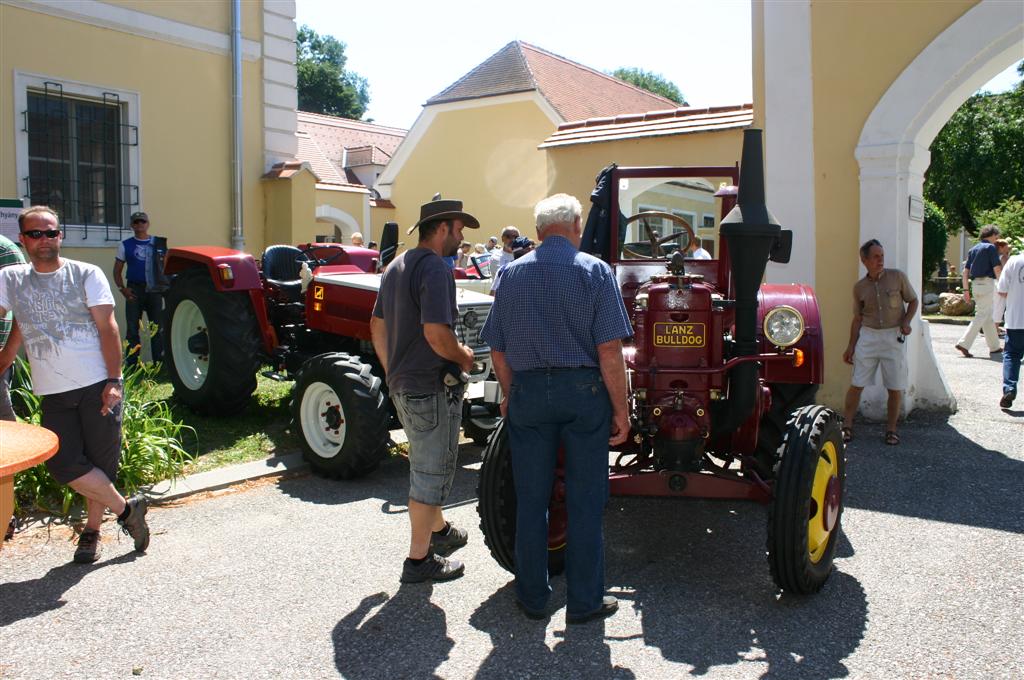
{"type": "Point", "coordinates": [237, 235]}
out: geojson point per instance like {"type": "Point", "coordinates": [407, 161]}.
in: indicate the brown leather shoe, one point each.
{"type": "Point", "coordinates": [963, 350]}
{"type": "Point", "coordinates": [88, 547]}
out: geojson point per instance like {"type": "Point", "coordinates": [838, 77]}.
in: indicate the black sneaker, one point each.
{"type": "Point", "coordinates": [434, 568]}
{"type": "Point", "coordinates": [447, 542]}
{"type": "Point", "coordinates": [609, 605]}
{"type": "Point", "coordinates": [88, 547]}
{"type": "Point", "coordinates": [135, 524]}
{"type": "Point", "coordinates": [1007, 400]}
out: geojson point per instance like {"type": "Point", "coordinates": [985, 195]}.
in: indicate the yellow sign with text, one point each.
{"type": "Point", "coordinates": [318, 292]}
{"type": "Point", "coordinates": [678, 334]}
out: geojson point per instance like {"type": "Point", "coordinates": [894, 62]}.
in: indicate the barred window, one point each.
{"type": "Point", "coordinates": [77, 159]}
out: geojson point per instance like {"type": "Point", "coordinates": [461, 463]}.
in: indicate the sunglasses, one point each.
{"type": "Point", "coordinates": [36, 234]}
{"type": "Point", "coordinates": [140, 222]}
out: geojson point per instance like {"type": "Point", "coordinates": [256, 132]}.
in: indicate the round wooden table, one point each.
{"type": "Point", "coordinates": [21, 446]}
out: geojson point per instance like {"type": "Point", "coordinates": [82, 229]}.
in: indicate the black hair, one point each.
{"type": "Point", "coordinates": [427, 229]}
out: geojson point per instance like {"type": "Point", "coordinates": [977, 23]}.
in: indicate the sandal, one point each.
{"type": "Point", "coordinates": [891, 438]}
{"type": "Point", "coordinates": [847, 435]}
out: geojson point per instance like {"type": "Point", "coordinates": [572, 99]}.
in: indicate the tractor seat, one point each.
{"type": "Point", "coordinates": [281, 266]}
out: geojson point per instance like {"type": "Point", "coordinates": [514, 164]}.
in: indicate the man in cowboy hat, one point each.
{"type": "Point", "coordinates": [413, 334]}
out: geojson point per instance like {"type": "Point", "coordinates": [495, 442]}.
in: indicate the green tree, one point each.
{"type": "Point", "coordinates": [1009, 217]}
{"type": "Point", "coordinates": [978, 157]}
{"type": "Point", "coordinates": [652, 82]}
{"type": "Point", "coordinates": [324, 84]}
{"type": "Point", "coordinates": [933, 239]}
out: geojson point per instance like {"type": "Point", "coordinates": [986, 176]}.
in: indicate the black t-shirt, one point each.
{"type": "Point", "coordinates": [417, 288]}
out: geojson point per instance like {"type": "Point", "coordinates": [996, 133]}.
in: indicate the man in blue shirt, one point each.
{"type": "Point", "coordinates": [136, 252]}
{"type": "Point", "coordinates": [562, 372]}
{"type": "Point", "coordinates": [983, 268]}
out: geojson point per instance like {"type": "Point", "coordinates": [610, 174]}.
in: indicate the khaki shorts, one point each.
{"type": "Point", "coordinates": [880, 348]}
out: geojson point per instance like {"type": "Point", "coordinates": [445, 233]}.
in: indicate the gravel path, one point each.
{"type": "Point", "coordinates": [298, 578]}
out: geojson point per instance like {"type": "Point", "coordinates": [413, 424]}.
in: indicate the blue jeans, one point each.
{"type": "Point", "coordinates": [153, 306]}
{"type": "Point", "coordinates": [1013, 351]}
{"type": "Point", "coordinates": [548, 408]}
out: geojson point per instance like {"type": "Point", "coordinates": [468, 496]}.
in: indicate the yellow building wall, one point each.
{"type": "Point", "coordinates": [858, 50]}
{"type": "Point", "coordinates": [485, 156]}
{"type": "Point", "coordinates": [214, 15]}
{"type": "Point", "coordinates": [184, 124]}
{"type": "Point", "coordinates": [378, 217]}
{"type": "Point", "coordinates": [350, 202]}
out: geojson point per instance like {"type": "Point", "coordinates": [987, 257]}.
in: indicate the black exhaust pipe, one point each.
{"type": "Point", "coordinates": [751, 233]}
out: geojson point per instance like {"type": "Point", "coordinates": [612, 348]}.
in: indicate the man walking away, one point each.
{"type": "Point", "coordinates": [1011, 288]}
{"type": "Point", "coordinates": [564, 378]}
{"type": "Point", "coordinates": [65, 312]}
{"type": "Point", "coordinates": [884, 304]}
{"type": "Point", "coordinates": [137, 253]}
{"type": "Point", "coordinates": [412, 328]}
{"type": "Point", "coordinates": [983, 269]}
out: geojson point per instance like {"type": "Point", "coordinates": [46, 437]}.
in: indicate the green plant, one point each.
{"type": "Point", "coordinates": [1009, 217]}
{"type": "Point", "coordinates": [934, 238]}
{"type": "Point", "coordinates": [151, 443]}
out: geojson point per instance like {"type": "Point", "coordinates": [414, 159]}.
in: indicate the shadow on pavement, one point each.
{"type": "Point", "coordinates": [28, 599]}
{"type": "Point", "coordinates": [937, 474]}
{"type": "Point", "coordinates": [406, 637]}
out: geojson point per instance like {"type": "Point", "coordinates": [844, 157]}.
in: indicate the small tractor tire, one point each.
{"type": "Point", "coordinates": [786, 398]}
{"type": "Point", "coordinates": [213, 345]}
{"type": "Point", "coordinates": [804, 516]}
{"type": "Point", "coordinates": [342, 415]}
{"type": "Point", "coordinates": [479, 421]}
{"type": "Point", "coordinates": [497, 506]}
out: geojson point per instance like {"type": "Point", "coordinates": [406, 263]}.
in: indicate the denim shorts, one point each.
{"type": "Point", "coordinates": [431, 421]}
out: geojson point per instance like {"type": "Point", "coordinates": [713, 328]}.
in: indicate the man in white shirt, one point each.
{"type": "Point", "coordinates": [502, 256]}
{"type": "Point", "coordinates": [1010, 290]}
{"type": "Point", "coordinates": [696, 252]}
{"type": "Point", "coordinates": [65, 312]}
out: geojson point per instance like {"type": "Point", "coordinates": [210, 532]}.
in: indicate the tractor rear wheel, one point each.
{"type": "Point", "coordinates": [804, 516]}
{"type": "Point", "coordinates": [497, 508]}
{"type": "Point", "coordinates": [214, 345]}
{"type": "Point", "coordinates": [342, 415]}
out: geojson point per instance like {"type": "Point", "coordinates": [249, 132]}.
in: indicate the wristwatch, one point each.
{"type": "Point", "coordinates": [116, 381]}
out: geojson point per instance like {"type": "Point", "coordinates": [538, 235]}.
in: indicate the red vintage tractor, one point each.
{"type": "Point", "coordinates": [304, 312]}
{"type": "Point", "coordinates": [722, 369]}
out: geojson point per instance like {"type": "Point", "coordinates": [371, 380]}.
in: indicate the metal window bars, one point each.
{"type": "Point", "coordinates": [78, 160]}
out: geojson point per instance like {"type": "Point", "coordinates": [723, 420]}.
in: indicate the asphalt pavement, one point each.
{"type": "Point", "coordinates": [297, 577]}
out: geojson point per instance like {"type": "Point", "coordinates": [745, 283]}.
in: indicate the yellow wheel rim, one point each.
{"type": "Point", "coordinates": [817, 533]}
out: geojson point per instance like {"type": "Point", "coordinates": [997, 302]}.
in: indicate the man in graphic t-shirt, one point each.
{"type": "Point", "coordinates": [135, 254]}
{"type": "Point", "coordinates": [65, 314]}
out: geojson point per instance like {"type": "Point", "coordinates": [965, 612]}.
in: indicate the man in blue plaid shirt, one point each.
{"type": "Point", "coordinates": [564, 378]}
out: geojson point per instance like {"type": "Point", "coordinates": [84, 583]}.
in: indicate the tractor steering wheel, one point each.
{"type": "Point", "coordinates": [655, 241]}
{"type": "Point", "coordinates": [316, 262]}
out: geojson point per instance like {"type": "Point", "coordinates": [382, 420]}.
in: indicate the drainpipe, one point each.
{"type": "Point", "coordinates": [237, 235]}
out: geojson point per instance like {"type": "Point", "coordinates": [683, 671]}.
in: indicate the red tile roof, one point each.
{"type": "Point", "coordinates": [575, 91]}
{"type": "Point", "coordinates": [678, 121]}
{"type": "Point", "coordinates": [324, 139]}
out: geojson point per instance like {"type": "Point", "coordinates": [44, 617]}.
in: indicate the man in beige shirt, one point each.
{"type": "Point", "coordinates": [884, 303]}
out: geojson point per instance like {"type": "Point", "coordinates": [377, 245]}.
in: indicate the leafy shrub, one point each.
{"type": "Point", "coordinates": [934, 238]}
{"type": "Point", "coordinates": [151, 443]}
{"type": "Point", "coordinates": [1009, 217]}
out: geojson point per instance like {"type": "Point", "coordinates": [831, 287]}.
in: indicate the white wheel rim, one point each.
{"type": "Point", "coordinates": [323, 421]}
{"type": "Point", "coordinates": [191, 368]}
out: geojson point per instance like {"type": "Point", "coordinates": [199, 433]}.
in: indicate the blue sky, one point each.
{"type": "Point", "coordinates": [411, 50]}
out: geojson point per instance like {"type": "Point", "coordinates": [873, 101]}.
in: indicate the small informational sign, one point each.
{"type": "Point", "coordinates": [10, 208]}
{"type": "Point", "coordinates": [678, 334]}
{"type": "Point", "coordinates": [916, 209]}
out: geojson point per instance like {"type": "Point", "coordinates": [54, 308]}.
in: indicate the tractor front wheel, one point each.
{"type": "Point", "coordinates": [804, 517]}
{"type": "Point", "coordinates": [342, 415]}
{"type": "Point", "coordinates": [497, 508]}
{"type": "Point", "coordinates": [479, 421]}
{"type": "Point", "coordinates": [213, 345]}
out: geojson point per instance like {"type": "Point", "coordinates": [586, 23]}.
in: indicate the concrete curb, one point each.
{"type": "Point", "coordinates": [964, 321]}
{"type": "Point", "coordinates": [227, 476]}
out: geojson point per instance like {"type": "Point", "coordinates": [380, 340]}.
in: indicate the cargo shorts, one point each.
{"type": "Point", "coordinates": [431, 421]}
{"type": "Point", "coordinates": [87, 439]}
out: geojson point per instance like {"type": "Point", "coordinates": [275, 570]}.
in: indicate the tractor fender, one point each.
{"type": "Point", "coordinates": [243, 277]}
{"type": "Point", "coordinates": [243, 272]}
{"type": "Point", "coordinates": [812, 344]}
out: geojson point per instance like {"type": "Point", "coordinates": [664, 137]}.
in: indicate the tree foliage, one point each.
{"type": "Point", "coordinates": [323, 83]}
{"type": "Point", "coordinates": [652, 82]}
{"type": "Point", "coordinates": [1009, 217]}
{"type": "Point", "coordinates": [978, 157]}
{"type": "Point", "coordinates": [933, 239]}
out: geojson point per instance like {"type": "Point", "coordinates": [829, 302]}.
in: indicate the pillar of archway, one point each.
{"type": "Point", "coordinates": [892, 153]}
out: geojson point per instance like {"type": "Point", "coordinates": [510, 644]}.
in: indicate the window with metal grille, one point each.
{"type": "Point", "coordinates": [77, 159]}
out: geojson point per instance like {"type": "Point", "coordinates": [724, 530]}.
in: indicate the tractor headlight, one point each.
{"type": "Point", "coordinates": [783, 326]}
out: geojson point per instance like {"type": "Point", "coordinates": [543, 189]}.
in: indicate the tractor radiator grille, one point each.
{"type": "Point", "coordinates": [471, 321]}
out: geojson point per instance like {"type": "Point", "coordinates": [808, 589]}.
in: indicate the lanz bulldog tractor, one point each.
{"type": "Point", "coordinates": [722, 369]}
{"type": "Point", "coordinates": [305, 312]}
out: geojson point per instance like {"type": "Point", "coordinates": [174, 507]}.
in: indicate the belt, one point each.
{"type": "Point", "coordinates": [552, 369]}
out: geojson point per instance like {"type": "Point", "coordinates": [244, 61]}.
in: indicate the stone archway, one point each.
{"type": "Point", "coordinates": [344, 224]}
{"type": "Point", "coordinates": [893, 155]}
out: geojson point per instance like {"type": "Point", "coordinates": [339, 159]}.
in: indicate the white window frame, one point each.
{"type": "Point", "coordinates": [23, 82]}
